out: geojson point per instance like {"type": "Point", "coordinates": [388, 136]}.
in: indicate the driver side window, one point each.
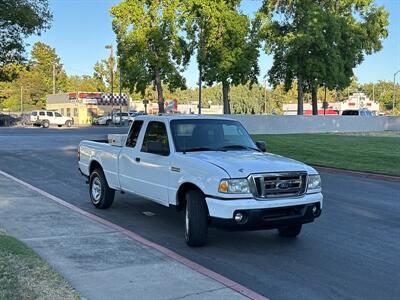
{"type": "Point", "coordinates": [156, 139]}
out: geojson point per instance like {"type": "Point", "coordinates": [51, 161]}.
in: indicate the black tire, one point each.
{"type": "Point", "coordinates": [108, 122]}
{"type": "Point", "coordinates": [68, 123]}
{"type": "Point", "coordinates": [106, 194]}
{"type": "Point", "coordinates": [196, 219]}
{"type": "Point", "coordinates": [59, 125]}
{"type": "Point", "coordinates": [45, 124]}
{"type": "Point", "coordinates": [290, 231]}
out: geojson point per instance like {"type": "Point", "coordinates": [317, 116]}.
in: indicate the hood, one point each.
{"type": "Point", "coordinates": [243, 163]}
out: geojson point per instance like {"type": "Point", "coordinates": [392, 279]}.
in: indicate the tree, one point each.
{"type": "Point", "coordinates": [227, 44]}
{"type": "Point", "coordinates": [19, 19]}
{"type": "Point", "coordinates": [102, 73]}
{"type": "Point", "coordinates": [84, 83]}
{"type": "Point", "coordinates": [151, 48]}
{"type": "Point", "coordinates": [46, 63]}
{"type": "Point", "coordinates": [320, 42]}
{"type": "Point", "coordinates": [35, 79]}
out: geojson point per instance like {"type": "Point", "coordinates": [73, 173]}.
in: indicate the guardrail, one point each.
{"type": "Point", "coordinates": [260, 124]}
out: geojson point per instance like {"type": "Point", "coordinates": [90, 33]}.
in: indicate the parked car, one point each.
{"type": "Point", "coordinates": [47, 118]}
{"type": "Point", "coordinates": [363, 112]}
{"type": "Point", "coordinates": [208, 167]}
{"type": "Point", "coordinates": [114, 118]}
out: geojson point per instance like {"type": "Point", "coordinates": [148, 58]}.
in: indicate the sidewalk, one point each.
{"type": "Point", "coordinates": [99, 261]}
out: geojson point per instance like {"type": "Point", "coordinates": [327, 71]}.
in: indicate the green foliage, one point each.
{"type": "Point", "coordinates": [150, 45]}
{"type": "Point", "coordinates": [19, 19]}
{"type": "Point", "coordinates": [226, 41]}
{"type": "Point", "coordinates": [84, 83]}
{"type": "Point", "coordinates": [320, 42]}
{"type": "Point", "coordinates": [382, 91]}
{"type": "Point", "coordinates": [34, 81]}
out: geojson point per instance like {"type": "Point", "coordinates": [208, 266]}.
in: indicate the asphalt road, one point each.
{"type": "Point", "coordinates": [351, 252]}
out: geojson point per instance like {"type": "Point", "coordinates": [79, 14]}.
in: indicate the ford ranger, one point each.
{"type": "Point", "coordinates": [208, 167]}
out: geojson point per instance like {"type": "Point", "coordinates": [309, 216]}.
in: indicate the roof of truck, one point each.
{"type": "Point", "coordinates": [170, 117]}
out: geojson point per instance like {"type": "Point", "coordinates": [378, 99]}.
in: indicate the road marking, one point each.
{"type": "Point", "coordinates": [134, 236]}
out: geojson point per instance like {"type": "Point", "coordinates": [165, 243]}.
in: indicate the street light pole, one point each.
{"type": "Point", "coordinates": [394, 91]}
{"type": "Point", "coordinates": [112, 73]}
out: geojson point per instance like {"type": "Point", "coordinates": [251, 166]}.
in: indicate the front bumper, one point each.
{"type": "Point", "coordinates": [264, 214]}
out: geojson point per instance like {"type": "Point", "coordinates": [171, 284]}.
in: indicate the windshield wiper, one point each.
{"type": "Point", "coordinates": [239, 147]}
{"type": "Point", "coordinates": [198, 149]}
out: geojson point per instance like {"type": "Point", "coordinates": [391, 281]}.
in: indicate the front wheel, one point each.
{"type": "Point", "coordinates": [290, 231]}
{"type": "Point", "coordinates": [196, 219]}
{"type": "Point", "coordinates": [68, 123]}
{"type": "Point", "coordinates": [101, 195]}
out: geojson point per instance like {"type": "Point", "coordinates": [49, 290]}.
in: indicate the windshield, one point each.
{"type": "Point", "coordinates": [210, 135]}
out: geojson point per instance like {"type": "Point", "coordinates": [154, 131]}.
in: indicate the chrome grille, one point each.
{"type": "Point", "coordinates": [275, 185]}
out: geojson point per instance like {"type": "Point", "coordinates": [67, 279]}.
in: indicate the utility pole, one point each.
{"type": "Point", "coordinates": [265, 96]}
{"type": "Point", "coordinates": [22, 107]}
{"type": "Point", "coordinates": [200, 86]}
{"type": "Point", "coordinates": [54, 78]}
{"type": "Point", "coordinates": [120, 92]}
{"type": "Point", "coordinates": [394, 91]}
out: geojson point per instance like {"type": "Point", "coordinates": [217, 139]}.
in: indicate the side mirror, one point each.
{"type": "Point", "coordinates": [156, 147]}
{"type": "Point", "coordinates": [262, 146]}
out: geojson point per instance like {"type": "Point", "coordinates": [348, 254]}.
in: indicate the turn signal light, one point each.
{"type": "Point", "coordinates": [223, 187]}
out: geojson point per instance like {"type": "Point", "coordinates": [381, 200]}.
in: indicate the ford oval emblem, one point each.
{"type": "Point", "coordinates": [283, 185]}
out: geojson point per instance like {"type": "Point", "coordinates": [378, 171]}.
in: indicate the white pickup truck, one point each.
{"type": "Point", "coordinates": [207, 166]}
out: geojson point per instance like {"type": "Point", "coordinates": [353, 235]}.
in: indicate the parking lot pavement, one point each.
{"type": "Point", "coordinates": [351, 251]}
{"type": "Point", "coordinates": [99, 261]}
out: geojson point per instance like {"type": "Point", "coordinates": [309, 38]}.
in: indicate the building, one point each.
{"type": "Point", "coordinates": [355, 101]}
{"type": "Point", "coordinates": [83, 106]}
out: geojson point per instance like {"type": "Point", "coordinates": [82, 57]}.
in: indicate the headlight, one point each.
{"type": "Point", "coordinates": [314, 184]}
{"type": "Point", "coordinates": [234, 186]}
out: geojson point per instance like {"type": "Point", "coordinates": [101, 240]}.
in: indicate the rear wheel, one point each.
{"type": "Point", "coordinates": [101, 195]}
{"type": "Point", "coordinates": [196, 219]}
{"type": "Point", "coordinates": [45, 124]}
{"type": "Point", "coordinates": [108, 122]}
{"type": "Point", "coordinates": [290, 231]}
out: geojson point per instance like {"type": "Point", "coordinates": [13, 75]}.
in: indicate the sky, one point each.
{"type": "Point", "coordinates": [81, 28]}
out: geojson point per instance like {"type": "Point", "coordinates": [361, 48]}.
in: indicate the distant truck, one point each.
{"type": "Point", "coordinates": [210, 168]}
{"type": "Point", "coordinates": [45, 119]}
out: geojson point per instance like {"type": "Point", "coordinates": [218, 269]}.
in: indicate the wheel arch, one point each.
{"type": "Point", "coordinates": [182, 190]}
{"type": "Point", "coordinates": [94, 164]}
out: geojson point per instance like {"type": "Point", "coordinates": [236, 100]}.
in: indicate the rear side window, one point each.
{"type": "Point", "coordinates": [49, 113]}
{"type": "Point", "coordinates": [134, 134]}
{"type": "Point", "coordinates": [34, 113]}
{"type": "Point", "coordinates": [41, 113]}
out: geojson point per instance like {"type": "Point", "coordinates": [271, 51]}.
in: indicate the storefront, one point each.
{"type": "Point", "coordinates": [84, 106]}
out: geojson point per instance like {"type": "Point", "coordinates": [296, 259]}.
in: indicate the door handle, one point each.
{"type": "Point", "coordinates": [137, 159]}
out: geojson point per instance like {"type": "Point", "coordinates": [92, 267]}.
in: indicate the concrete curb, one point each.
{"type": "Point", "coordinates": [358, 173]}
{"type": "Point", "coordinates": [136, 237]}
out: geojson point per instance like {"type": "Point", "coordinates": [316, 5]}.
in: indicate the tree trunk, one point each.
{"type": "Point", "coordinates": [300, 110]}
{"type": "Point", "coordinates": [160, 95]}
{"type": "Point", "coordinates": [314, 100]}
{"type": "Point", "coordinates": [225, 97]}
